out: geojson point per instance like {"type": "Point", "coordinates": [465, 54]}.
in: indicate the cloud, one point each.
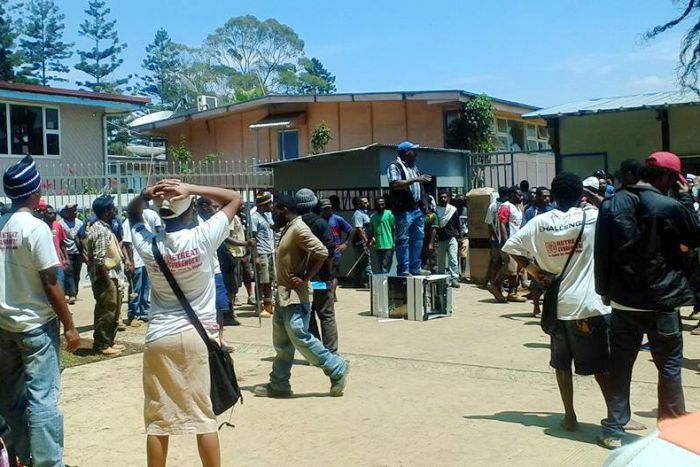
{"type": "Point", "coordinates": [587, 64]}
{"type": "Point", "coordinates": [653, 83]}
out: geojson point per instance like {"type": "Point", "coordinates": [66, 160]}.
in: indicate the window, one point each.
{"type": "Point", "coordinates": [288, 144]}
{"type": "Point", "coordinates": [537, 138]}
{"type": "Point", "coordinates": [29, 129]}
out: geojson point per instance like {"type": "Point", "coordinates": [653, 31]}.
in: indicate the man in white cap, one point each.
{"type": "Point", "coordinates": [31, 298]}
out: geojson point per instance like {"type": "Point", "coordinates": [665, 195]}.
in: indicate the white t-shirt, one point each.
{"type": "Point", "coordinates": [26, 247]}
{"type": "Point", "coordinates": [189, 254]}
{"type": "Point", "coordinates": [152, 222]}
{"type": "Point", "coordinates": [549, 238]}
{"type": "Point", "coordinates": [515, 217]}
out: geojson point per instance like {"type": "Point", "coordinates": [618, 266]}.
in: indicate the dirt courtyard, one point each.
{"type": "Point", "coordinates": [472, 389]}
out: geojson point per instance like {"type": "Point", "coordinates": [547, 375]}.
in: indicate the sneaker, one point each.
{"type": "Point", "coordinates": [109, 352]}
{"type": "Point", "coordinates": [338, 385]}
{"type": "Point", "coordinates": [514, 297]}
{"type": "Point", "coordinates": [497, 294]}
{"type": "Point", "coordinates": [71, 300]}
{"type": "Point", "coordinates": [609, 442]}
{"type": "Point", "coordinates": [119, 347]}
{"type": "Point", "coordinates": [267, 391]}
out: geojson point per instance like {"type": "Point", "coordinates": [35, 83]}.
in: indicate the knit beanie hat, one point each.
{"type": "Point", "coordinates": [22, 179]}
{"type": "Point", "coordinates": [305, 199]}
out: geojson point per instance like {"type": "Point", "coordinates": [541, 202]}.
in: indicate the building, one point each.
{"type": "Point", "coordinates": [58, 127]}
{"type": "Point", "coordinates": [279, 127]}
{"type": "Point", "coordinates": [600, 133]}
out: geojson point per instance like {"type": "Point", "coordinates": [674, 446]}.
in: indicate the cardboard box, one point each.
{"type": "Point", "coordinates": [479, 259]}
{"type": "Point", "coordinates": [478, 201]}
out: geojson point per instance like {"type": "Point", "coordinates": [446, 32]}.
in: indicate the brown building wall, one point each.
{"type": "Point", "coordinates": [352, 124]}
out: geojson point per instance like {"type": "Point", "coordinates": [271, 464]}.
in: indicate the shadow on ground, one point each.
{"type": "Point", "coordinates": [251, 390]}
{"type": "Point", "coordinates": [692, 364]}
{"type": "Point", "coordinates": [513, 316]}
{"type": "Point", "coordinates": [586, 432]}
{"type": "Point", "coordinates": [536, 345]}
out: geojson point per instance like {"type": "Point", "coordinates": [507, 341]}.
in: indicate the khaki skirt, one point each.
{"type": "Point", "coordinates": [176, 386]}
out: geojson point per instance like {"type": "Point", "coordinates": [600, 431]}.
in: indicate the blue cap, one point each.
{"type": "Point", "coordinates": [407, 146]}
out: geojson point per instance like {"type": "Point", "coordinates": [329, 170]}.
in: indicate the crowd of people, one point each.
{"type": "Point", "coordinates": [614, 257]}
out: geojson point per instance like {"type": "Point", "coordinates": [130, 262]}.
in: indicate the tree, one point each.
{"type": "Point", "coordinates": [162, 63]}
{"type": "Point", "coordinates": [309, 77]}
{"type": "Point", "coordinates": [9, 57]}
{"type": "Point", "coordinates": [196, 75]}
{"type": "Point", "coordinates": [320, 137]}
{"type": "Point", "coordinates": [689, 58]}
{"type": "Point", "coordinates": [44, 51]}
{"type": "Point", "coordinates": [315, 79]}
{"type": "Point", "coordinates": [103, 58]}
{"type": "Point", "coordinates": [472, 129]}
{"type": "Point", "coordinates": [253, 48]}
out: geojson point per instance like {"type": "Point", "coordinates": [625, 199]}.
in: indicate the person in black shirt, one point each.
{"type": "Point", "coordinates": [447, 235]}
{"type": "Point", "coordinates": [323, 306]}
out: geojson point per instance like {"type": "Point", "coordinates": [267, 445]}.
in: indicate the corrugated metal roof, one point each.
{"type": "Point", "coordinates": [652, 100]}
{"type": "Point", "coordinates": [341, 152]}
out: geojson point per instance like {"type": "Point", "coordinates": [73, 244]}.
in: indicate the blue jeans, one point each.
{"type": "Point", "coordinates": [222, 302]}
{"type": "Point", "coordinates": [409, 241]}
{"type": "Point", "coordinates": [290, 332]}
{"type": "Point", "coordinates": [29, 390]}
{"type": "Point", "coordinates": [61, 277]}
{"type": "Point", "coordinates": [666, 341]}
{"type": "Point", "coordinates": [447, 254]}
{"type": "Point", "coordinates": [140, 303]}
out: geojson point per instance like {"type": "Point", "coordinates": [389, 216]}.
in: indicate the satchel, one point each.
{"type": "Point", "coordinates": [548, 322]}
{"type": "Point", "coordinates": [225, 391]}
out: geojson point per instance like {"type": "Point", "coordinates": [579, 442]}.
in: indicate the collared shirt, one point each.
{"type": "Point", "coordinates": [262, 231]}
{"type": "Point", "coordinates": [534, 210]}
{"type": "Point", "coordinates": [298, 247]}
{"type": "Point", "coordinates": [103, 249]}
{"type": "Point", "coordinates": [393, 174]}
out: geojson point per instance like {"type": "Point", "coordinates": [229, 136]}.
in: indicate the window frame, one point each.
{"type": "Point", "coordinates": [44, 131]}
{"type": "Point", "coordinates": [280, 144]}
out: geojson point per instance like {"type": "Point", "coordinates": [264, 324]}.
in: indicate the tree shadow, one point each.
{"type": "Point", "coordinates": [536, 345]}
{"type": "Point", "coordinates": [550, 421]}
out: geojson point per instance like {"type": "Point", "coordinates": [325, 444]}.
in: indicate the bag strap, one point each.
{"type": "Point", "coordinates": [194, 319]}
{"type": "Point", "coordinates": [576, 243]}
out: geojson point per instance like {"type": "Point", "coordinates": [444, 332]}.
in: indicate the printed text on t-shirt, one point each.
{"type": "Point", "coordinates": [562, 247]}
{"type": "Point", "coordinates": [184, 260]}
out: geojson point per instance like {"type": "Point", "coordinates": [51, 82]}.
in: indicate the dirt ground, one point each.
{"type": "Point", "coordinates": [472, 389]}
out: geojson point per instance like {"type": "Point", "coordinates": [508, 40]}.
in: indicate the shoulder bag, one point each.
{"type": "Point", "coordinates": [225, 392]}
{"type": "Point", "coordinates": [551, 294]}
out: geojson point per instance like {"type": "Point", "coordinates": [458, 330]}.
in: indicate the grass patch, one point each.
{"type": "Point", "coordinates": [85, 355]}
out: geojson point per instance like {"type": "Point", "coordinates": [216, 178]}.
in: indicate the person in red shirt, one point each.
{"type": "Point", "coordinates": [59, 241]}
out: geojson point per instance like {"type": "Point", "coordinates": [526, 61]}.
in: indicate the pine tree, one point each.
{"type": "Point", "coordinates": [315, 78]}
{"type": "Point", "coordinates": [8, 55]}
{"type": "Point", "coordinates": [103, 58]}
{"type": "Point", "coordinates": [162, 63]}
{"type": "Point", "coordinates": [42, 42]}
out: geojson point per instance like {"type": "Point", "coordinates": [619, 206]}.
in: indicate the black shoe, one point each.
{"type": "Point", "coordinates": [267, 391]}
{"type": "Point", "coordinates": [231, 321]}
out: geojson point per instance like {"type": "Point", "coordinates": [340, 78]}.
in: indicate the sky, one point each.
{"type": "Point", "coordinates": [540, 52]}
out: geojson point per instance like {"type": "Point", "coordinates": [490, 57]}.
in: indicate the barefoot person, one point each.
{"type": "Point", "coordinates": [581, 333]}
{"type": "Point", "coordinates": [300, 256]}
{"type": "Point", "coordinates": [176, 375]}
{"type": "Point", "coordinates": [31, 298]}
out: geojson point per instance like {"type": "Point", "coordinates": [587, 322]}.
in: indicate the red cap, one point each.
{"type": "Point", "coordinates": [667, 160]}
{"type": "Point", "coordinates": [42, 204]}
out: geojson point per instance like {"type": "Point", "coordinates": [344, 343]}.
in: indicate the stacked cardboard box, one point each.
{"type": "Point", "coordinates": [478, 201]}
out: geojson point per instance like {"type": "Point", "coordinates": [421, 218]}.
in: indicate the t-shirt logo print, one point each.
{"type": "Point", "coordinates": [184, 260]}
